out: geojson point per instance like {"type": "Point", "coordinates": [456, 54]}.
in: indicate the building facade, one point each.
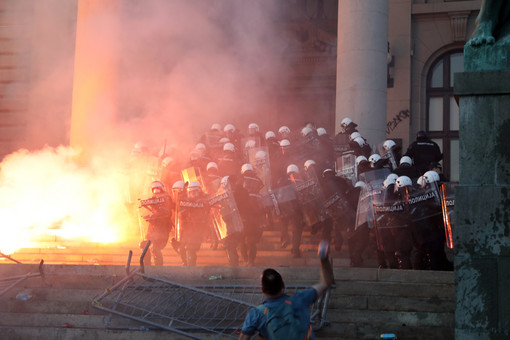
{"type": "Point", "coordinates": [425, 49]}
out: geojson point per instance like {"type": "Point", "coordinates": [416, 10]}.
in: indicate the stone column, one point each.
{"type": "Point", "coordinates": [362, 66]}
{"type": "Point", "coordinates": [482, 229]}
{"type": "Point", "coordinates": [95, 64]}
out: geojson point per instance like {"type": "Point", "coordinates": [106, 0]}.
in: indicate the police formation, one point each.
{"type": "Point", "coordinates": [233, 186]}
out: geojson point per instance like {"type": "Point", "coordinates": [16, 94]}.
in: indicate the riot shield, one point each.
{"type": "Point", "coordinates": [310, 198]}
{"type": "Point", "coordinates": [191, 214]}
{"type": "Point", "coordinates": [249, 143]}
{"type": "Point", "coordinates": [389, 155]}
{"type": "Point", "coordinates": [336, 205]}
{"type": "Point", "coordinates": [341, 144]}
{"type": "Point", "coordinates": [193, 174]}
{"type": "Point", "coordinates": [424, 203]}
{"type": "Point", "coordinates": [225, 215]}
{"type": "Point", "coordinates": [390, 214]}
{"type": "Point", "coordinates": [365, 210]}
{"type": "Point", "coordinates": [374, 179]}
{"type": "Point", "coordinates": [447, 193]}
{"type": "Point", "coordinates": [270, 202]}
{"type": "Point", "coordinates": [309, 147]}
{"type": "Point", "coordinates": [346, 167]}
{"type": "Point", "coordinates": [259, 159]}
{"type": "Point", "coordinates": [211, 139]}
{"type": "Point", "coordinates": [285, 197]}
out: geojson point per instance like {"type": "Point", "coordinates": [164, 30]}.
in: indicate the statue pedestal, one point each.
{"type": "Point", "coordinates": [482, 207]}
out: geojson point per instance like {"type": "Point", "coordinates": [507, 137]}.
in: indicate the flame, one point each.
{"type": "Point", "coordinates": [46, 197]}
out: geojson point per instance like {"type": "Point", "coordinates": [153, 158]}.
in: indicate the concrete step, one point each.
{"type": "Point", "coordinates": [270, 253]}
{"type": "Point", "coordinates": [72, 333]}
{"type": "Point", "coordinates": [365, 303]}
{"type": "Point", "coordinates": [49, 319]}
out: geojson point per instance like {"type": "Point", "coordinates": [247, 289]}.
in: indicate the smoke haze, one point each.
{"type": "Point", "coordinates": [174, 68]}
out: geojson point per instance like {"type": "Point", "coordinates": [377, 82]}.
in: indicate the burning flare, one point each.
{"type": "Point", "coordinates": [46, 197]}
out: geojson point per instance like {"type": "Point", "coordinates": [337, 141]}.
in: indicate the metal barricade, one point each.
{"type": "Point", "coordinates": [199, 312]}
{"type": "Point", "coordinates": [7, 283]}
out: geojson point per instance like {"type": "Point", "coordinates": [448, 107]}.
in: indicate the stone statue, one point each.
{"type": "Point", "coordinates": [493, 23]}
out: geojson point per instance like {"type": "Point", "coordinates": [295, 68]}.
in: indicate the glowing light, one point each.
{"type": "Point", "coordinates": [45, 197]}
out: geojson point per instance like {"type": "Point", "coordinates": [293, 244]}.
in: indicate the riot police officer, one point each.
{"type": "Point", "coordinates": [160, 222]}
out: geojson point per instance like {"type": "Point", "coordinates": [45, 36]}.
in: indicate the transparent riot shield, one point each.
{"type": "Point", "coordinates": [424, 203]}
{"type": "Point", "coordinates": [224, 213]}
{"type": "Point", "coordinates": [248, 144]}
{"type": "Point", "coordinates": [211, 139]}
{"type": "Point", "coordinates": [259, 158]}
{"type": "Point", "coordinates": [310, 198]}
{"type": "Point", "coordinates": [447, 193]}
{"type": "Point", "coordinates": [336, 205]}
{"type": "Point", "coordinates": [365, 210]}
{"type": "Point", "coordinates": [285, 196]}
{"type": "Point", "coordinates": [346, 167]}
{"type": "Point", "coordinates": [341, 144]}
{"type": "Point", "coordinates": [375, 178]}
{"type": "Point", "coordinates": [193, 174]}
{"type": "Point", "coordinates": [190, 212]}
{"type": "Point", "coordinates": [309, 147]}
{"type": "Point", "coordinates": [389, 214]}
{"type": "Point", "coordinates": [270, 202]}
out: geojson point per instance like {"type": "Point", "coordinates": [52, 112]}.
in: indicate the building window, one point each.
{"type": "Point", "coordinates": [443, 111]}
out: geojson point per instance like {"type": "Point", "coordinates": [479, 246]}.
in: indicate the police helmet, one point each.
{"type": "Point", "coordinates": [406, 160]}
{"type": "Point", "coordinates": [354, 135]}
{"type": "Point", "coordinates": [321, 131]}
{"type": "Point", "coordinates": [216, 127]}
{"type": "Point", "coordinates": [284, 130]}
{"type": "Point", "coordinates": [306, 131]}
{"type": "Point", "coordinates": [360, 141]}
{"type": "Point", "coordinates": [253, 128]}
{"type": "Point", "coordinates": [360, 159]}
{"type": "Point", "coordinates": [157, 185]}
{"type": "Point", "coordinates": [260, 155]}
{"type": "Point", "coordinates": [246, 167]}
{"type": "Point", "coordinates": [178, 185]}
{"type": "Point", "coordinates": [390, 179]}
{"type": "Point", "coordinates": [360, 184]}
{"type": "Point", "coordinates": [270, 134]}
{"type": "Point", "coordinates": [229, 128]}
{"type": "Point", "coordinates": [284, 143]}
{"type": "Point", "coordinates": [346, 122]}
{"type": "Point", "coordinates": [403, 181]}
{"type": "Point", "coordinates": [388, 144]}
{"type": "Point", "coordinates": [194, 185]}
{"type": "Point", "coordinates": [228, 147]}
{"type": "Point", "coordinates": [309, 163]}
{"type": "Point", "coordinates": [328, 172]}
{"type": "Point", "coordinates": [211, 165]}
{"type": "Point", "coordinates": [430, 177]}
{"type": "Point", "coordinates": [292, 168]}
{"type": "Point", "coordinates": [374, 158]}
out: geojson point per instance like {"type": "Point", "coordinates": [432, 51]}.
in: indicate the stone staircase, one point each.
{"type": "Point", "coordinates": [270, 253]}
{"type": "Point", "coordinates": [366, 302]}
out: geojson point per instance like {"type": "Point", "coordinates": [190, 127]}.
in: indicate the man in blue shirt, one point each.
{"type": "Point", "coordinates": [273, 288]}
